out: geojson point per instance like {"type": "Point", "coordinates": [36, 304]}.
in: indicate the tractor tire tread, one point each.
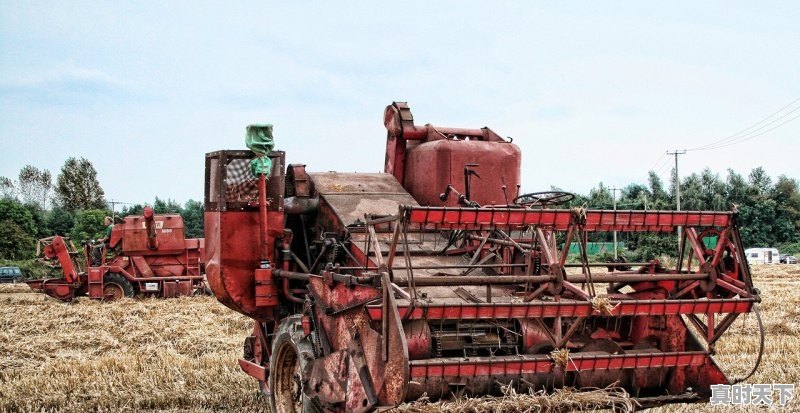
{"type": "Point", "coordinates": [114, 278]}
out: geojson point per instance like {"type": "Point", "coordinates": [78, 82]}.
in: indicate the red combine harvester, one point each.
{"type": "Point", "coordinates": [151, 257]}
{"type": "Point", "coordinates": [436, 278]}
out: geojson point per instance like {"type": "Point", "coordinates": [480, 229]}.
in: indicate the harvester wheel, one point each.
{"type": "Point", "coordinates": [290, 355]}
{"type": "Point", "coordinates": [115, 287]}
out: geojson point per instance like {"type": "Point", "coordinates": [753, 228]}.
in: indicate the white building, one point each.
{"type": "Point", "coordinates": [762, 255]}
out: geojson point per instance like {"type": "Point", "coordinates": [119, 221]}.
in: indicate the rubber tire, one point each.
{"type": "Point", "coordinates": [289, 337]}
{"type": "Point", "coordinates": [114, 278]}
{"type": "Point", "coordinates": [202, 290]}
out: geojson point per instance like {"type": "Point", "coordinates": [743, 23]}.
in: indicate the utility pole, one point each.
{"type": "Point", "coordinates": [614, 195]}
{"type": "Point", "coordinates": [678, 194]}
{"type": "Point", "coordinates": [113, 204]}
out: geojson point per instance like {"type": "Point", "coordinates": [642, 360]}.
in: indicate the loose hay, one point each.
{"type": "Point", "coordinates": [560, 357]}
{"type": "Point", "coordinates": [130, 355]}
{"type": "Point", "coordinates": [180, 355]}
{"type": "Point", "coordinates": [602, 304]}
{"type": "Point", "coordinates": [562, 400]}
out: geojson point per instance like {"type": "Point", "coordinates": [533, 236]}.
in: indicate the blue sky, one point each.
{"type": "Point", "coordinates": [590, 91]}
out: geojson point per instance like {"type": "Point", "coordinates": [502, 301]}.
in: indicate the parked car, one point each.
{"type": "Point", "coordinates": [10, 274]}
{"type": "Point", "coordinates": [790, 259]}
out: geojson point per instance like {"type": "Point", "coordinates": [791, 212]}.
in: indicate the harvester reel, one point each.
{"type": "Point", "coordinates": [115, 287]}
{"type": "Point", "coordinates": [727, 265]}
{"type": "Point", "coordinates": [544, 198]}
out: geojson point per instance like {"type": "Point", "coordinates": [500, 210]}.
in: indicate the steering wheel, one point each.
{"type": "Point", "coordinates": [544, 198]}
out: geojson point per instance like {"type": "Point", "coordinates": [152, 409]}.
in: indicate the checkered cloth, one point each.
{"type": "Point", "coordinates": [240, 183]}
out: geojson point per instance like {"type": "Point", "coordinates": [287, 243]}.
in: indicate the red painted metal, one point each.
{"type": "Point", "coordinates": [426, 159]}
{"type": "Point", "coordinates": [58, 250]}
{"type": "Point", "coordinates": [152, 239]}
{"type": "Point", "coordinates": [390, 291]}
{"type": "Point", "coordinates": [526, 364]}
{"type": "Point", "coordinates": [149, 251]}
{"type": "Point", "coordinates": [253, 369]}
{"type": "Point", "coordinates": [547, 309]}
{"type": "Point", "coordinates": [560, 220]}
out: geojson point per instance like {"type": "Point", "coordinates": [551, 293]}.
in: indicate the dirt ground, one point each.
{"type": "Point", "coordinates": [180, 354]}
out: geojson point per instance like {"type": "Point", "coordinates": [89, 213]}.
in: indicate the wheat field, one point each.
{"type": "Point", "coordinates": [180, 354]}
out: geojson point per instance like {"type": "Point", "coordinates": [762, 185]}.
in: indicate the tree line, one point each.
{"type": "Point", "coordinates": [769, 211]}
{"type": "Point", "coordinates": [34, 207]}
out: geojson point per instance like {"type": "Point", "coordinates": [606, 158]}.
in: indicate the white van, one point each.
{"type": "Point", "coordinates": [762, 256]}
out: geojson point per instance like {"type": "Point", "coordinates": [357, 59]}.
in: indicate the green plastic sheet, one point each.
{"type": "Point", "coordinates": [259, 140]}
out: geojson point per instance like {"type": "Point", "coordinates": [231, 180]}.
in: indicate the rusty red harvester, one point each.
{"type": "Point", "coordinates": [149, 256]}
{"type": "Point", "coordinates": [437, 278]}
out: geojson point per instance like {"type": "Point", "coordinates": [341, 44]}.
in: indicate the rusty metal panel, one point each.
{"type": "Point", "coordinates": [184, 288]}
{"type": "Point", "coordinates": [232, 254]}
{"type": "Point", "coordinates": [443, 310]}
{"type": "Point", "coordinates": [169, 230]}
{"type": "Point", "coordinates": [351, 195]}
{"type": "Point", "coordinates": [431, 166]}
{"type": "Point", "coordinates": [95, 282]}
{"type": "Point", "coordinates": [170, 289]}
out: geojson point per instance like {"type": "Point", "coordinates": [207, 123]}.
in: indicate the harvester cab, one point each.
{"type": "Point", "coordinates": [371, 289]}
{"type": "Point", "coordinates": [146, 255]}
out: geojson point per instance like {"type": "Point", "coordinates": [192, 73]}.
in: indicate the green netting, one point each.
{"type": "Point", "coordinates": [259, 140]}
{"type": "Point", "coordinates": [594, 248]}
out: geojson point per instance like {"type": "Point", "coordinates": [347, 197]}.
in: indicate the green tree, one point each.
{"type": "Point", "coordinates": [89, 225]}
{"type": "Point", "coordinates": [77, 186]}
{"type": "Point", "coordinates": [13, 210]}
{"type": "Point", "coordinates": [60, 221]}
{"type": "Point", "coordinates": [34, 186]}
{"type": "Point", "coordinates": [634, 196]}
{"type": "Point", "coordinates": [760, 182]}
{"type": "Point", "coordinates": [17, 229]}
{"type": "Point", "coordinates": [756, 221]}
{"type": "Point", "coordinates": [7, 188]}
{"type": "Point", "coordinates": [650, 246]}
{"type": "Point", "coordinates": [15, 242]}
{"type": "Point", "coordinates": [737, 189]}
{"type": "Point", "coordinates": [661, 198]}
{"type": "Point", "coordinates": [786, 195]}
{"type": "Point", "coordinates": [600, 197]}
{"type": "Point", "coordinates": [168, 206]}
{"type": "Point", "coordinates": [193, 218]}
{"type": "Point", "coordinates": [131, 210]}
{"type": "Point", "coordinates": [39, 220]}
{"type": "Point", "coordinates": [703, 192]}
{"type": "Point", "coordinates": [769, 213]}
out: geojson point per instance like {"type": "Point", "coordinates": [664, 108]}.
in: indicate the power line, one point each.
{"type": "Point", "coordinates": [747, 138]}
{"type": "Point", "coordinates": [115, 203]}
{"type": "Point", "coordinates": [744, 133]}
{"type": "Point", "coordinates": [663, 155]}
{"type": "Point", "coordinates": [661, 169]}
{"type": "Point", "coordinates": [742, 136]}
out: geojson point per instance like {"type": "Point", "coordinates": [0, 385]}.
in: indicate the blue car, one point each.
{"type": "Point", "coordinates": [10, 274]}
